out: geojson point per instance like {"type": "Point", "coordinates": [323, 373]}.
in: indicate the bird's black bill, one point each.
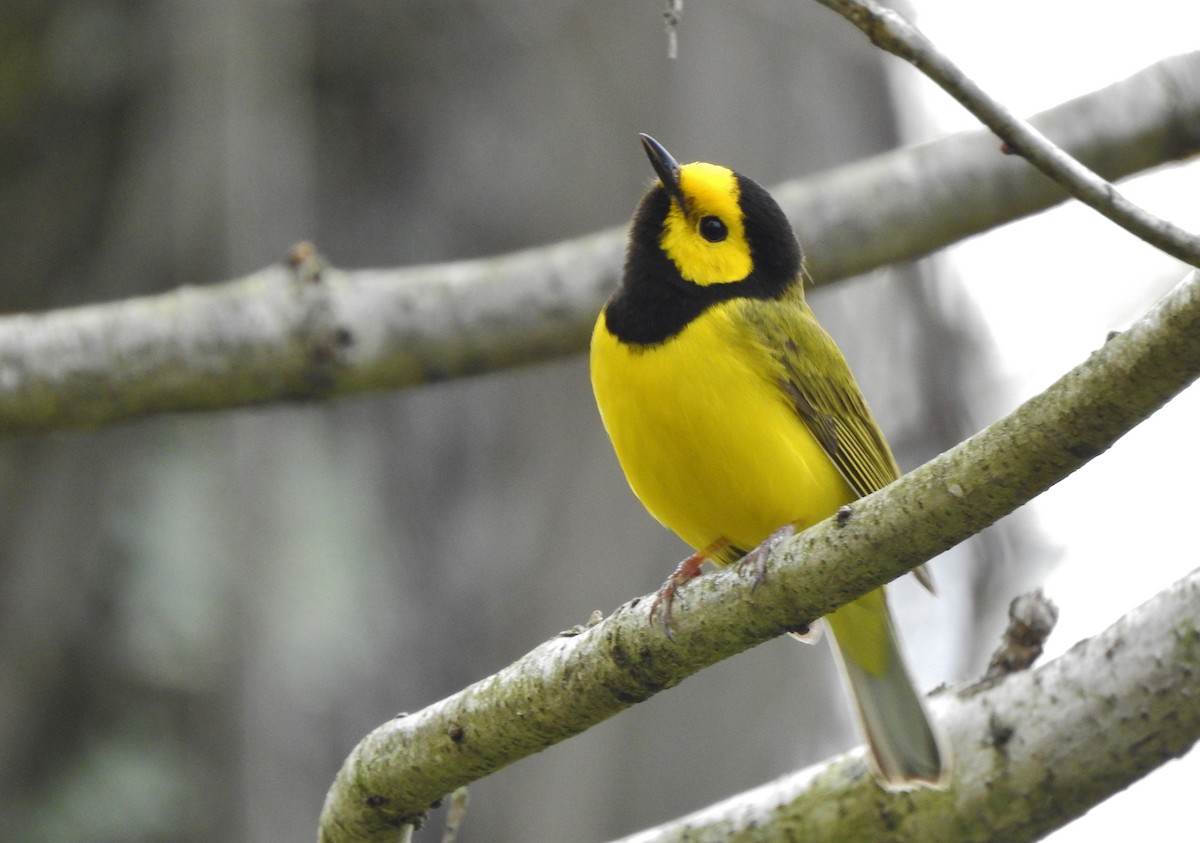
{"type": "Point", "coordinates": [666, 166]}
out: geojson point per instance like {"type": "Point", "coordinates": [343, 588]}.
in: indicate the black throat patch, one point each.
{"type": "Point", "coordinates": [655, 303]}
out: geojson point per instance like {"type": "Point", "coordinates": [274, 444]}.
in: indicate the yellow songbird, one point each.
{"type": "Point", "coordinates": [733, 414]}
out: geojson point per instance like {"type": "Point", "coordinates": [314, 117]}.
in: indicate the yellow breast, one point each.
{"type": "Point", "coordinates": [708, 441]}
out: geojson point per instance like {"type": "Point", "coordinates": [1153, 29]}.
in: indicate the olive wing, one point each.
{"type": "Point", "coordinates": [817, 381]}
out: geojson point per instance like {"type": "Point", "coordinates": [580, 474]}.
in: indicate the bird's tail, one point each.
{"type": "Point", "coordinates": [905, 750]}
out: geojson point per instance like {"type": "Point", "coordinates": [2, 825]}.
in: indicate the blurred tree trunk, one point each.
{"type": "Point", "coordinates": [200, 616]}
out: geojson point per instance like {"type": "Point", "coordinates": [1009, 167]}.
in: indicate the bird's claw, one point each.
{"type": "Point", "coordinates": [757, 558]}
{"type": "Point", "coordinates": [687, 570]}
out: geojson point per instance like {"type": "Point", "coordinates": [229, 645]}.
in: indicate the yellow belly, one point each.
{"type": "Point", "coordinates": [708, 441]}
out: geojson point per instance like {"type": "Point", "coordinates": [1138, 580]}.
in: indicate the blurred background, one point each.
{"type": "Point", "coordinates": [201, 615]}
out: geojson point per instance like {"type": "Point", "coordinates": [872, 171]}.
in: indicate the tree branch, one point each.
{"type": "Point", "coordinates": [306, 331]}
{"type": "Point", "coordinates": [1032, 752]}
{"type": "Point", "coordinates": [571, 683]}
{"type": "Point", "coordinates": [889, 31]}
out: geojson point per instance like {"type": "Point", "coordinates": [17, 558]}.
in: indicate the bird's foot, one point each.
{"type": "Point", "coordinates": [684, 572]}
{"type": "Point", "coordinates": [757, 558]}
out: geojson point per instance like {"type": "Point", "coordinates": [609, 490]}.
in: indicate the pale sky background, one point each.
{"type": "Point", "coordinates": [1050, 288]}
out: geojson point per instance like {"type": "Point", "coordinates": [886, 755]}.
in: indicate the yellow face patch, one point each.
{"type": "Point", "coordinates": [709, 191]}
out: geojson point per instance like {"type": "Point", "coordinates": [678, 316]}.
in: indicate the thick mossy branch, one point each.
{"type": "Point", "coordinates": [306, 331]}
{"type": "Point", "coordinates": [572, 683]}
{"type": "Point", "coordinates": [1033, 751]}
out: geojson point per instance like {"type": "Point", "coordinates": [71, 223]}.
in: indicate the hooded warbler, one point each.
{"type": "Point", "coordinates": [733, 414]}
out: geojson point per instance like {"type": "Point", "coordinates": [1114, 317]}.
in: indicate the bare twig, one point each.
{"type": "Point", "coordinates": [672, 16]}
{"type": "Point", "coordinates": [1031, 619]}
{"type": "Point", "coordinates": [455, 814]}
{"type": "Point", "coordinates": [889, 31]}
{"type": "Point", "coordinates": [571, 683]}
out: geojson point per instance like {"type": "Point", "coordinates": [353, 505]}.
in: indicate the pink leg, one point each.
{"type": "Point", "coordinates": [687, 570]}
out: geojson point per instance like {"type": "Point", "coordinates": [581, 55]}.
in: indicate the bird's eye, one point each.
{"type": "Point", "coordinates": [713, 230]}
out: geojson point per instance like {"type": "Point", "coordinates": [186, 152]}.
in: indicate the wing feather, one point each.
{"type": "Point", "coordinates": [815, 377]}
